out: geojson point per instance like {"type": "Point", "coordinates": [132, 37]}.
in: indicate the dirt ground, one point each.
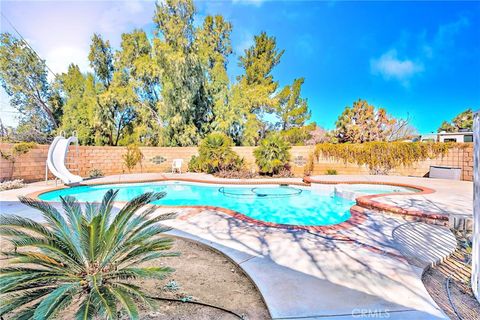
{"type": "Point", "coordinates": [207, 276]}
{"type": "Point", "coordinates": [201, 274]}
{"type": "Point", "coordinates": [458, 269]}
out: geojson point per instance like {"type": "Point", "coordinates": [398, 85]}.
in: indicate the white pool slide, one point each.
{"type": "Point", "coordinates": [57, 153]}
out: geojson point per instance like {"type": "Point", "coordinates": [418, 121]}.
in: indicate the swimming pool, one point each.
{"type": "Point", "coordinates": [270, 203]}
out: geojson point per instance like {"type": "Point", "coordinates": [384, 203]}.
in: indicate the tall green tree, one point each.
{"type": "Point", "coordinates": [186, 107]}
{"type": "Point", "coordinates": [24, 77]}
{"type": "Point", "coordinates": [463, 121]}
{"type": "Point", "coordinates": [292, 109]}
{"type": "Point", "coordinates": [101, 59]}
{"type": "Point", "coordinates": [363, 123]}
{"type": "Point", "coordinates": [80, 105]}
{"type": "Point", "coordinates": [253, 93]}
{"type": "Point", "coordinates": [214, 47]}
{"type": "Point", "coordinates": [116, 113]}
{"type": "Point", "coordinates": [137, 59]}
{"type": "Point", "coordinates": [116, 100]}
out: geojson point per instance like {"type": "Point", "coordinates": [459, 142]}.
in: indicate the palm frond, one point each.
{"type": "Point", "coordinates": [24, 223]}
{"type": "Point", "coordinates": [55, 301]}
{"type": "Point", "coordinates": [107, 302]}
{"type": "Point", "coordinates": [56, 221]}
{"type": "Point", "coordinates": [87, 309]}
{"type": "Point", "coordinates": [50, 248]}
{"type": "Point", "coordinates": [140, 273]}
{"type": "Point", "coordinates": [13, 302]}
{"type": "Point", "coordinates": [126, 301]}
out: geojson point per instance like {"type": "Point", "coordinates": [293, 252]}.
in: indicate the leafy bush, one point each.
{"type": "Point", "coordinates": [132, 157]}
{"type": "Point", "coordinates": [17, 149]}
{"type": "Point", "coordinates": [81, 258]}
{"type": "Point", "coordinates": [331, 172]}
{"type": "Point", "coordinates": [382, 157]}
{"type": "Point", "coordinates": [273, 154]}
{"type": "Point", "coordinates": [11, 184]}
{"type": "Point", "coordinates": [215, 155]}
{"type": "Point", "coordinates": [297, 136]}
{"type": "Point", "coordinates": [95, 173]}
{"type": "Point", "coordinates": [236, 174]}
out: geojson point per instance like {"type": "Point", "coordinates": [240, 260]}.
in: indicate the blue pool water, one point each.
{"type": "Point", "coordinates": [277, 204]}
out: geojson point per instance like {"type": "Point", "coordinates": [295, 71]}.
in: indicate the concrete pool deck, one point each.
{"type": "Point", "coordinates": [372, 269]}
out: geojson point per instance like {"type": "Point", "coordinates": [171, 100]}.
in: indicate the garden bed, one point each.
{"type": "Point", "coordinates": [203, 275]}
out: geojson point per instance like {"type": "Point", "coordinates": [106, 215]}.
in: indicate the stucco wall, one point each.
{"type": "Point", "coordinates": [31, 166]}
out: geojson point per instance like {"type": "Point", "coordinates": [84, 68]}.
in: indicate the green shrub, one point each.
{"type": "Point", "coordinates": [132, 157]}
{"type": "Point", "coordinates": [95, 173]}
{"type": "Point", "coordinates": [273, 154]}
{"type": "Point", "coordinates": [85, 260]}
{"type": "Point", "coordinates": [17, 149]}
{"type": "Point", "coordinates": [382, 157]}
{"type": "Point", "coordinates": [215, 155]}
{"type": "Point", "coordinates": [331, 172]}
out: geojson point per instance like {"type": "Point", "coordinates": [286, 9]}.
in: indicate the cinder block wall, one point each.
{"type": "Point", "coordinates": [31, 166]}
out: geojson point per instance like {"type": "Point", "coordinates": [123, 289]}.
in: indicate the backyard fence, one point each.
{"type": "Point", "coordinates": [31, 166]}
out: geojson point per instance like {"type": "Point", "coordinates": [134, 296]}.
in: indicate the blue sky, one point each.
{"type": "Point", "coordinates": [416, 58]}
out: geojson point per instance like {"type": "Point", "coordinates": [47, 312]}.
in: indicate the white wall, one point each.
{"type": "Point", "coordinates": [476, 208]}
{"type": "Point", "coordinates": [458, 137]}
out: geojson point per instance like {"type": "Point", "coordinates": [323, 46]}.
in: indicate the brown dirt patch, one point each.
{"type": "Point", "coordinates": [207, 276]}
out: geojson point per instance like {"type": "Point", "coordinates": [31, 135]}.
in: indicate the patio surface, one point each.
{"type": "Point", "coordinates": [373, 269]}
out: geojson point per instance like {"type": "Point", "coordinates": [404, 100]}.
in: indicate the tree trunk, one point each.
{"type": "Point", "coordinates": [476, 208]}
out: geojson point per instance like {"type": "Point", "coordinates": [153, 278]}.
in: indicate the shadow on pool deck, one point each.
{"type": "Point", "coordinates": [304, 275]}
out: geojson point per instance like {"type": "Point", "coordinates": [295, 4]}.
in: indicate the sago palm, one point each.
{"type": "Point", "coordinates": [84, 259]}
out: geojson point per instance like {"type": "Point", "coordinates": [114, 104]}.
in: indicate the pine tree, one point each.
{"type": "Point", "coordinates": [292, 109]}
{"type": "Point", "coordinates": [214, 47]}
{"type": "Point", "coordinates": [253, 94]}
{"type": "Point", "coordinates": [186, 107]}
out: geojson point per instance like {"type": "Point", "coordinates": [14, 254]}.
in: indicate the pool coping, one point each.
{"type": "Point", "coordinates": [357, 212]}
{"type": "Point", "coordinates": [368, 202]}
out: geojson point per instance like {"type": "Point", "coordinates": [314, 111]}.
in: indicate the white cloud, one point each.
{"type": "Point", "coordinates": [60, 57]}
{"type": "Point", "coordinates": [123, 15]}
{"type": "Point", "coordinates": [61, 31]}
{"type": "Point", "coordinates": [389, 66]}
{"type": "Point", "coordinates": [434, 50]}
